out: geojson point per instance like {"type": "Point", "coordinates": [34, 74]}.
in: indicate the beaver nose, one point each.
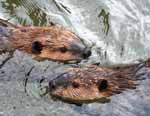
{"type": "Point", "coordinates": [52, 85]}
{"type": "Point", "coordinates": [86, 53]}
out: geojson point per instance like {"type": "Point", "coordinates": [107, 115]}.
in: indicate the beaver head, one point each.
{"type": "Point", "coordinates": [90, 84]}
{"type": "Point", "coordinates": [54, 43]}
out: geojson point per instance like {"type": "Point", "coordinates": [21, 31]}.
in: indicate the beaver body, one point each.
{"type": "Point", "coordinates": [94, 83]}
{"type": "Point", "coordinates": [53, 42]}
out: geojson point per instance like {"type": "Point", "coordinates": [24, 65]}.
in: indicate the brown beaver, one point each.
{"type": "Point", "coordinates": [94, 83]}
{"type": "Point", "coordinates": [53, 42]}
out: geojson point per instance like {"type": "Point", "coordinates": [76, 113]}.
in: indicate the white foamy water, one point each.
{"type": "Point", "coordinates": [127, 41]}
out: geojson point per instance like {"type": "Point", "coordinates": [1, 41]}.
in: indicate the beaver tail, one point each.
{"type": "Point", "coordinates": [5, 23]}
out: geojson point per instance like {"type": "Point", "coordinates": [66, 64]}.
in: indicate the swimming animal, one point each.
{"type": "Point", "coordinates": [52, 42]}
{"type": "Point", "coordinates": [97, 83]}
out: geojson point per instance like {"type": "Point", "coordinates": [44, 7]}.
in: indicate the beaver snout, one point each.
{"type": "Point", "coordinates": [52, 85]}
{"type": "Point", "coordinates": [86, 53]}
{"type": "Point", "coordinates": [81, 49]}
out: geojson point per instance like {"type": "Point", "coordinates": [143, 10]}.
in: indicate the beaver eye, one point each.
{"type": "Point", "coordinates": [102, 84]}
{"type": "Point", "coordinates": [75, 85]}
{"type": "Point", "coordinates": [36, 47]}
{"type": "Point", "coordinates": [63, 49]}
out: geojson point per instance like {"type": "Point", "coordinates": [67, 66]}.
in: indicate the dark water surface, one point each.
{"type": "Point", "coordinates": [117, 32]}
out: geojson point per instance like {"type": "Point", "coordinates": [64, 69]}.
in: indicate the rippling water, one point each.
{"type": "Point", "coordinates": [128, 25]}
{"type": "Point", "coordinates": [128, 35]}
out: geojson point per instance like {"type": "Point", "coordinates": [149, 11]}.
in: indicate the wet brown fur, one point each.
{"type": "Point", "coordinates": [52, 38]}
{"type": "Point", "coordinates": [119, 79]}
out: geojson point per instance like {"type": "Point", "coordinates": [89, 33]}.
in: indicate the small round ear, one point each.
{"type": "Point", "coordinates": [102, 84]}
{"type": "Point", "coordinates": [36, 47]}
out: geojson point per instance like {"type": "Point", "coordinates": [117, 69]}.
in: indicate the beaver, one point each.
{"type": "Point", "coordinates": [97, 83]}
{"type": "Point", "coordinates": [53, 42]}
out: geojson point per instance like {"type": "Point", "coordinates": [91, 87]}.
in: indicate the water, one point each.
{"type": "Point", "coordinates": [127, 37]}
{"type": "Point", "coordinates": [127, 40]}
